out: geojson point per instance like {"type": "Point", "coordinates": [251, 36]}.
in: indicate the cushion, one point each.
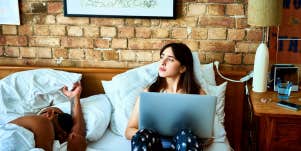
{"type": "Point", "coordinates": [219, 91]}
{"type": "Point", "coordinates": [31, 90]}
{"type": "Point", "coordinates": [97, 114]}
{"type": "Point", "coordinates": [124, 89]}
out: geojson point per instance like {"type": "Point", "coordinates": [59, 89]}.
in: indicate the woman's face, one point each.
{"type": "Point", "coordinates": [169, 65]}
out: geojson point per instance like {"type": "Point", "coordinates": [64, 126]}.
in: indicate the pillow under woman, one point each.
{"type": "Point", "coordinates": [175, 76]}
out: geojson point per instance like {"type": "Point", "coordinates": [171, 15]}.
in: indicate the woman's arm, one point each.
{"type": "Point", "coordinates": [132, 126]}
{"type": "Point", "coordinates": [76, 139]}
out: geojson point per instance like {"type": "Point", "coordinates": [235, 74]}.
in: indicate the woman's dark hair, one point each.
{"type": "Point", "coordinates": [187, 80]}
{"type": "Point", "coordinates": [65, 121]}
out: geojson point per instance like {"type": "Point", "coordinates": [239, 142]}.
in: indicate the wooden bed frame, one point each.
{"type": "Point", "coordinates": [91, 83]}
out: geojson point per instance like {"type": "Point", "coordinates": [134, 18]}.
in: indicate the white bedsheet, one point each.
{"type": "Point", "coordinates": [112, 142]}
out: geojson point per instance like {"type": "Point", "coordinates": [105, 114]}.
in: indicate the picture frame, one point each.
{"type": "Point", "coordinates": [9, 12]}
{"type": "Point", "coordinates": [120, 8]}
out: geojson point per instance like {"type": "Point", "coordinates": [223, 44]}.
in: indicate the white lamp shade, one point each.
{"type": "Point", "coordinates": [261, 65]}
{"type": "Point", "coordinates": [264, 13]}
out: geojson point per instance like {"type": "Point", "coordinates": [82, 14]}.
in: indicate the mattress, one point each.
{"type": "Point", "coordinates": [112, 142]}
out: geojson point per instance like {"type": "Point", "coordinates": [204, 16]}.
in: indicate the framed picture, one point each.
{"type": "Point", "coordinates": [120, 8]}
{"type": "Point", "coordinates": [9, 12]}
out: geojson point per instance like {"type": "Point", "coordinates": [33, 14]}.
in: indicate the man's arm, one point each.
{"type": "Point", "coordinates": [76, 139]}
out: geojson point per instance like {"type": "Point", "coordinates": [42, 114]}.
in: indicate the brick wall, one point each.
{"type": "Point", "coordinates": [216, 29]}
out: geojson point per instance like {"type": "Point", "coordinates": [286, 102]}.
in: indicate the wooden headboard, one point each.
{"type": "Point", "coordinates": [91, 83]}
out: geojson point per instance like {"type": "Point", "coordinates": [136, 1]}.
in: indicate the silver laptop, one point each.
{"type": "Point", "coordinates": [167, 113]}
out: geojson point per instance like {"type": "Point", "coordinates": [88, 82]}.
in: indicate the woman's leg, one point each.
{"type": "Point", "coordinates": [146, 140]}
{"type": "Point", "coordinates": [185, 140]}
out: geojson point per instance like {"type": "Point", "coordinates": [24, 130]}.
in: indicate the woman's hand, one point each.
{"type": "Point", "coordinates": [75, 92]}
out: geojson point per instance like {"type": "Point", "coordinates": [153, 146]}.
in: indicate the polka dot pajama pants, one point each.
{"type": "Point", "coordinates": [148, 140]}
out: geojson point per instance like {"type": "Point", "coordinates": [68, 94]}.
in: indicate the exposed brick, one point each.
{"type": "Point", "coordinates": [126, 32]}
{"type": "Point", "coordinates": [39, 7]}
{"type": "Point", "coordinates": [233, 58]}
{"type": "Point", "coordinates": [93, 54]}
{"type": "Point", "coordinates": [43, 52]}
{"type": "Point", "coordinates": [212, 56]}
{"type": "Point", "coordinates": [50, 19]}
{"type": "Point", "coordinates": [136, 64]}
{"type": "Point", "coordinates": [27, 52]}
{"type": "Point", "coordinates": [217, 21]}
{"type": "Point", "coordinates": [192, 44]}
{"type": "Point", "coordinates": [60, 52]}
{"type": "Point", "coordinates": [216, 10]}
{"type": "Point", "coordinates": [144, 56]}
{"type": "Point", "coordinates": [16, 40]}
{"type": "Point", "coordinates": [102, 43]}
{"type": "Point", "coordinates": [143, 32]}
{"type": "Point", "coordinates": [220, 46]}
{"type": "Point", "coordinates": [196, 9]}
{"type": "Point", "coordinates": [217, 33]}
{"type": "Point", "coordinates": [107, 21]}
{"type": "Point", "coordinates": [156, 55]}
{"type": "Point", "coordinates": [119, 43]}
{"type": "Point", "coordinates": [179, 33]}
{"type": "Point", "coordinates": [254, 35]}
{"type": "Point", "coordinates": [76, 42]}
{"type": "Point", "coordinates": [41, 30]}
{"type": "Point", "coordinates": [144, 44]}
{"type": "Point", "coordinates": [221, 1]}
{"type": "Point", "coordinates": [44, 41]}
{"type": "Point", "coordinates": [235, 9]}
{"type": "Point", "coordinates": [160, 33]}
{"type": "Point", "coordinates": [199, 33]}
{"type": "Point", "coordinates": [137, 22]}
{"type": "Point", "coordinates": [12, 51]}
{"type": "Point", "coordinates": [55, 7]}
{"type": "Point", "coordinates": [242, 23]}
{"type": "Point", "coordinates": [91, 31]}
{"type": "Point", "coordinates": [1, 51]}
{"type": "Point", "coordinates": [127, 55]}
{"type": "Point", "coordinates": [2, 40]}
{"type": "Point", "coordinates": [155, 22]}
{"type": "Point", "coordinates": [9, 29]}
{"type": "Point", "coordinates": [184, 22]}
{"type": "Point", "coordinates": [57, 30]}
{"type": "Point", "coordinates": [108, 32]}
{"type": "Point", "coordinates": [74, 31]}
{"type": "Point", "coordinates": [246, 47]}
{"type": "Point", "coordinates": [25, 7]}
{"type": "Point", "coordinates": [249, 59]}
{"type": "Point", "coordinates": [110, 55]}
{"type": "Point", "coordinates": [76, 54]}
{"type": "Point", "coordinates": [202, 57]}
{"type": "Point", "coordinates": [72, 20]}
{"type": "Point", "coordinates": [236, 34]}
{"type": "Point", "coordinates": [25, 30]}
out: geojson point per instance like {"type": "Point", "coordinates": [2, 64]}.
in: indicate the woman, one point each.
{"type": "Point", "coordinates": [175, 76]}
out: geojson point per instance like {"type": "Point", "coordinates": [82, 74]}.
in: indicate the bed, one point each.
{"type": "Point", "coordinates": [91, 85]}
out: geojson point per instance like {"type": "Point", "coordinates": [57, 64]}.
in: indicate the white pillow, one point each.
{"type": "Point", "coordinates": [97, 114]}
{"type": "Point", "coordinates": [219, 132]}
{"type": "Point", "coordinates": [31, 90]}
{"type": "Point", "coordinates": [124, 88]}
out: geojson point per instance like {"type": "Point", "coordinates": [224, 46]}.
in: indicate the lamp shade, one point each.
{"type": "Point", "coordinates": [264, 12]}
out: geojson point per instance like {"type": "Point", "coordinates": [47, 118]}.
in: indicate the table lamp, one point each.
{"type": "Point", "coordinates": [263, 13]}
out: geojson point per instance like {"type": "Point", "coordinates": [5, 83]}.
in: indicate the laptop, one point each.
{"type": "Point", "coordinates": [168, 113]}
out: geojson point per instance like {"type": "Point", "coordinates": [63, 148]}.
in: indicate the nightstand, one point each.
{"type": "Point", "coordinates": [277, 128]}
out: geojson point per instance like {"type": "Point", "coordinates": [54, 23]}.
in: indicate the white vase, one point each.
{"type": "Point", "coordinates": [261, 65]}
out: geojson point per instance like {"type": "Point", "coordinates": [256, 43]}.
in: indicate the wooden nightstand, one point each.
{"type": "Point", "coordinates": [277, 128]}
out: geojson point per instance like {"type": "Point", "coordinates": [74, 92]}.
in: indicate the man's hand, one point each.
{"type": "Point", "coordinates": [75, 92]}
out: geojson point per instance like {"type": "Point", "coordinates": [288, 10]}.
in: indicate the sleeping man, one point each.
{"type": "Point", "coordinates": [41, 131]}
